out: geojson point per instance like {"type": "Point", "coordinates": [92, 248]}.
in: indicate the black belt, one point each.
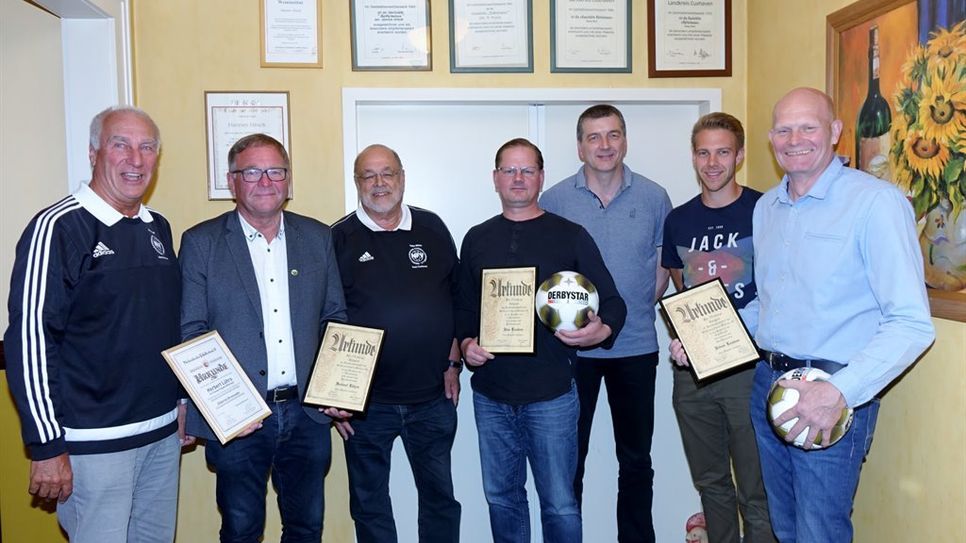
{"type": "Point", "coordinates": [781, 362]}
{"type": "Point", "coordinates": [282, 394]}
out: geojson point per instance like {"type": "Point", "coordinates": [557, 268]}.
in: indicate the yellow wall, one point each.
{"type": "Point", "coordinates": [913, 485]}
{"type": "Point", "coordinates": [33, 174]}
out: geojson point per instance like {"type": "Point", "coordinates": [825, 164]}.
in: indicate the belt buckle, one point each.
{"type": "Point", "coordinates": [277, 392]}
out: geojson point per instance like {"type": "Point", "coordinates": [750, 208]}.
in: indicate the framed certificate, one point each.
{"type": "Point", "coordinates": [291, 33]}
{"type": "Point", "coordinates": [590, 36]}
{"type": "Point", "coordinates": [391, 35]}
{"type": "Point", "coordinates": [506, 310]}
{"type": "Point", "coordinates": [229, 116]}
{"type": "Point", "coordinates": [710, 329]}
{"type": "Point", "coordinates": [688, 39]}
{"type": "Point", "coordinates": [217, 385]}
{"type": "Point", "coordinates": [491, 36]}
{"type": "Point", "coordinates": [344, 368]}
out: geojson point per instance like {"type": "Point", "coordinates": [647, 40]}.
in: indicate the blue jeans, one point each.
{"type": "Point", "coordinates": [126, 496]}
{"type": "Point", "coordinates": [296, 451]}
{"type": "Point", "coordinates": [545, 433]}
{"type": "Point", "coordinates": [630, 393]}
{"type": "Point", "coordinates": [810, 493]}
{"type": "Point", "coordinates": [427, 430]}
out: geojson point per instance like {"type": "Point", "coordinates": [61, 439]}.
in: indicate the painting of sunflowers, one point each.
{"type": "Point", "coordinates": [898, 77]}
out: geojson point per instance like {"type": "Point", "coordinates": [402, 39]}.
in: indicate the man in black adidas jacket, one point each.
{"type": "Point", "coordinates": [94, 299]}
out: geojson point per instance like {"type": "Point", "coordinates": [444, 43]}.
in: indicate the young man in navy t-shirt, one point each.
{"type": "Point", "coordinates": [707, 237]}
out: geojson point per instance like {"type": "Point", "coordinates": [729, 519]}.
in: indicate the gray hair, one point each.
{"type": "Point", "coordinates": [97, 123]}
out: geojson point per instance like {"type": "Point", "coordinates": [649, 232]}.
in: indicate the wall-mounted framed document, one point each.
{"type": "Point", "coordinates": [490, 36]}
{"type": "Point", "coordinates": [342, 375]}
{"type": "Point", "coordinates": [507, 314]}
{"type": "Point", "coordinates": [229, 116]}
{"type": "Point", "coordinates": [590, 36]}
{"type": "Point", "coordinates": [217, 385]}
{"type": "Point", "coordinates": [291, 33]}
{"type": "Point", "coordinates": [391, 35]}
{"type": "Point", "coordinates": [689, 39]}
{"type": "Point", "coordinates": [710, 329]}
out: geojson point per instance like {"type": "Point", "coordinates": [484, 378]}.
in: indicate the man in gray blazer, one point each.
{"type": "Point", "coordinates": [268, 281]}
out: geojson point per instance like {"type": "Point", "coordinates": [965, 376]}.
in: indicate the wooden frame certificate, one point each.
{"type": "Point", "coordinates": [217, 385]}
{"type": "Point", "coordinates": [506, 309]}
{"type": "Point", "coordinates": [688, 38]}
{"type": "Point", "coordinates": [710, 329]}
{"type": "Point", "coordinates": [343, 371]}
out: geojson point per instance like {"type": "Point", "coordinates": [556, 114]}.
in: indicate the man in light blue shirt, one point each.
{"type": "Point", "coordinates": [840, 287]}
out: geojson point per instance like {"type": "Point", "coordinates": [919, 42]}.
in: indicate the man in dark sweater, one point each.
{"type": "Point", "coordinates": [526, 405]}
{"type": "Point", "coordinates": [94, 300]}
{"type": "Point", "coordinates": [398, 266]}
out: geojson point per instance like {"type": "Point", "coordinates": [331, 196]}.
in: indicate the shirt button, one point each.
{"type": "Point", "coordinates": [279, 341]}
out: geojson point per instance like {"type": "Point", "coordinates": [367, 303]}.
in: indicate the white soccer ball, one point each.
{"type": "Point", "coordinates": [781, 399]}
{"type": "Point", "coordinates": [564, 301]}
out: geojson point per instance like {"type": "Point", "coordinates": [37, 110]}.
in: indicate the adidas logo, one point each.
{"type": "Point", "coordinates": [366, 257]}
{"type": "Point", "coordinates": [102, 250]}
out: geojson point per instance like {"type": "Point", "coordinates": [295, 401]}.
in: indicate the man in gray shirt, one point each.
{"type": "Point", "coordinates": [624, 213]}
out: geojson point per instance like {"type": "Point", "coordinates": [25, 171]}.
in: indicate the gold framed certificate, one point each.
{"type": "Point", "coordinates": [343, 371]}
{"type": "Point", "coordinates": [506, 310]}
{"type": "Point", "coordinates": [710, 329]}
{"type": "Point", "coordinates": [217, 385]}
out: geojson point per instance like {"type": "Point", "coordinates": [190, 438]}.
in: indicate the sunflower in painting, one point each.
{"type": "Point", "coordinates": [929, 134]}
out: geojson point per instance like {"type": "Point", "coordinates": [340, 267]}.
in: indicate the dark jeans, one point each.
{"type": "Point", "coordinates": [296, 451]}
{"type": "Point", "coordinates": [717, 434]}
{"type": "Point", "coordinates": [630, 393]}
{"type": "Point", "coordinates": [810, 492]}
{"type": "Point", "coordinates": [427, 430]}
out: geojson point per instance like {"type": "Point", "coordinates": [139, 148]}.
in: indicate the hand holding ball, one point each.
{"type": "Point", "coordinates": [781, 399]}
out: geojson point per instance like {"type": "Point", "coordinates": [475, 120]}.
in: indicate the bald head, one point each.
{"type": "Point", "coordinates": [807, 97]}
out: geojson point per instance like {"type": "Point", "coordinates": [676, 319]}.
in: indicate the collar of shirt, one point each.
{"type": "Point", "coordinates": [821, 187]}
{"type": "Point", "coordinates": [405, 223]}
{"type": "Point", "coordinates": [102, 210]}
{"type": "Point", "coordinates": [251, 232]}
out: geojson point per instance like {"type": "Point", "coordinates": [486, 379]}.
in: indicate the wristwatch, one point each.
{"type": "Point", "coordinates": [458, 364]}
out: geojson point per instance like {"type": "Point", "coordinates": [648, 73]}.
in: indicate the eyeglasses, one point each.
{"type": "Point", "coordinates": [512, 171]}
{"type": "Point", "coordinates": [254, 175]}
{"type": "Point", "coordinates": [370, 177]}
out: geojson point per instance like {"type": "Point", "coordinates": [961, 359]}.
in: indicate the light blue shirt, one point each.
{"type": "Point", "coordinates": [840, 278]}
{"type": "Point", "coordinates": [628, 233]}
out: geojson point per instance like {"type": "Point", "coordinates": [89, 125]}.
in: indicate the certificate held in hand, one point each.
{"type": "Point", "coordinates": [710, 329]}
{"type": "Point", "coordinates": [343, 371]}
{"type": "Point", "coordinates": [217, 385]}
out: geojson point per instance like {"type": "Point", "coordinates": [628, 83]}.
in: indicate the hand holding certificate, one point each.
{"type": "Point", "coordinates": [217, 385]}
{"type": "Point", "coordinates": [343, 371]}
{"type": "Point", "coordinates": [710, 329]}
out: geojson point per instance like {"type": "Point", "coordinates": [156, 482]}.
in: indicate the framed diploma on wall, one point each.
{"type": "Point", "coordinates": [590, 36]}
{"type": "Point", "coordinates": [291, 33]}
{"type": "Point", "coordinates": [491, 36]}
{"type": "Point", "coordinates": [391, 35]}
{"type": "Point", "coordinates": [689, 39]}
{"type": "Point", "coordinates": [229, 116]}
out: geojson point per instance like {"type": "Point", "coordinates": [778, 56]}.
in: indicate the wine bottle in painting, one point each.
{"type": "Point", "coordinates": [875, 119]}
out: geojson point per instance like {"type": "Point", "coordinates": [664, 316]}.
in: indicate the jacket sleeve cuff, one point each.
{"type": "Point", "coordinates": [48, 450]}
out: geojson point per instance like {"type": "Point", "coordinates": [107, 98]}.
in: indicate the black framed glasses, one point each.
{"type": "Point", "coordinates": [254, 175]}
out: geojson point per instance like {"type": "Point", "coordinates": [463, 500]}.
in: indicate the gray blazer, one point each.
{"type": "Point", "coordinates": [219, 292]}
